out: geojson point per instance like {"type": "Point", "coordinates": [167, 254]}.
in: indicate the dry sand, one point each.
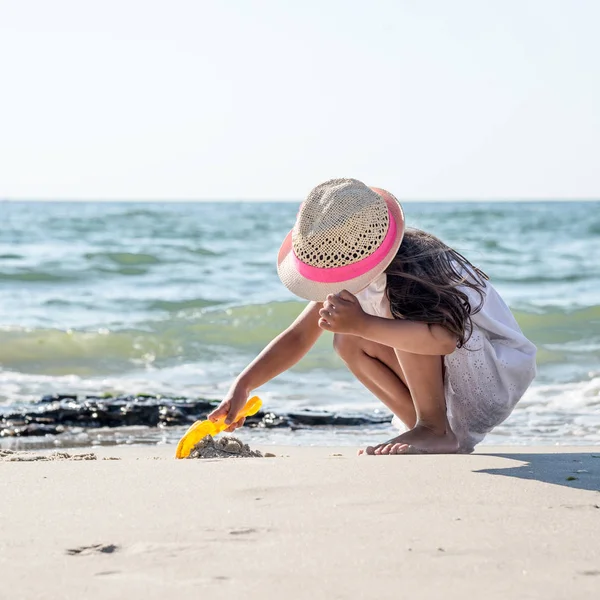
{"type": "Point", "coordinates": [311, 523]}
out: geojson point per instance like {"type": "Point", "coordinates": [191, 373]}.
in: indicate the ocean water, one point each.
{"type": "Point", "coordinates": [176, 298]}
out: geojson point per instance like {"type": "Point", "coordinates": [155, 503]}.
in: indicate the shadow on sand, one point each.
{"type": "Point", "coordinates": [577, 470]}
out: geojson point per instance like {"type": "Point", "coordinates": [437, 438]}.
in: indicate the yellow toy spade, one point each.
{"type": "Point", "coordinates": [201, 429]}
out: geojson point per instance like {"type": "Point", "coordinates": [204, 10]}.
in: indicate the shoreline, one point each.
{"type": "Point", "coordinates": [314, 522]}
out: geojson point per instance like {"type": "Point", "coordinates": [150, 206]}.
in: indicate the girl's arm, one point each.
{"type": "Point", "coordinates": [408, 336]}
{"type": "Point", "coordinates": [342, 313]}
{"type": "Point", "coordinates": [281, 354]}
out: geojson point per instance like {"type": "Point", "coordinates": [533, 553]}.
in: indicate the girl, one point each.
{"type": "Point", "coordinates": [415, 321]}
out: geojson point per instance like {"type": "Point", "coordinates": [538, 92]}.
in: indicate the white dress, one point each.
{"type": "Point", "coordinates": [483, 380]}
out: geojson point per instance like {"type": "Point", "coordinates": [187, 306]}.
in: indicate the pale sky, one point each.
{"type": "Point", "coordinates": [211, 99]}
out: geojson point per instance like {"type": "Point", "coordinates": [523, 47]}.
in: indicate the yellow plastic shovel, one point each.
{"type": "Point", "coordinates": [201, 429]}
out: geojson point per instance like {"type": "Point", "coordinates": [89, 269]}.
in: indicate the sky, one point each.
{"type": "Point", "coordinates": [264, 99]}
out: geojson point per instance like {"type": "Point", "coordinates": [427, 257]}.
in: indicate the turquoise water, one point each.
{"type": "Point", "coordinates": [178, 298]}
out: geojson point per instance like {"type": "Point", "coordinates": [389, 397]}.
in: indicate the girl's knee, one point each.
{"type": "Point", "coordinates": [344, 345]}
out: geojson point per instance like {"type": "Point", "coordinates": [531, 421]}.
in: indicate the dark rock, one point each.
{"type": "Point", "coordinates": [54, 414]}
{"type": "Point", "coordinates": [30, 430]}
{"type": "Point", "coordinates": [317, 418]}
{"type": "Point", "coordinates": [271, 421]}
{"type": "Point", "coordinates": [97, 411]}
{"type": "Point", "coordinates": [58, 397]}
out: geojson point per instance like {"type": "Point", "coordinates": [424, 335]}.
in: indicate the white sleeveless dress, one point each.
{"type": "Point", "coordinates": [483, 380]}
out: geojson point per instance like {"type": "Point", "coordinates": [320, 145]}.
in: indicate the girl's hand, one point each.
{"type": "Point", "coordinates": [230, 407]}
{"type": "Point", "coordinates": [342, 313]}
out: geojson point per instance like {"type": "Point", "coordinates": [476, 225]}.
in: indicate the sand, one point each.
{"type": "Point", "coordinates": [226, 446]}
{"type": "Point", "coordinates": [509, 523]}
{"type": "Point", "coordinates": [13, 456]}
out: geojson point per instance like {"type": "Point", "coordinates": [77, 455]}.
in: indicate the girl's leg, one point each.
{"type": "Point", "coordinates": [410, 385]}
{"type": "Point", "coordinates": [432, 432]}
{"type": "Point", "coordinates": [376, 366]}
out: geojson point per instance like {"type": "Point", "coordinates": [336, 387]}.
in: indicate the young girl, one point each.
{"type": "Point", "coordinates": [415, 321]}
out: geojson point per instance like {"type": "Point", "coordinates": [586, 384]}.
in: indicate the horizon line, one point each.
{"type": "Point", "coordinates": [280, 200]}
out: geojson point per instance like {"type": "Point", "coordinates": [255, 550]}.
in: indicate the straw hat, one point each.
{"type": "Point", "coordinates": [345, 236]}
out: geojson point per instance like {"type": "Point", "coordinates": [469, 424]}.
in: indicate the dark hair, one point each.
{"type": "Point", "coordinates": [423, 283]}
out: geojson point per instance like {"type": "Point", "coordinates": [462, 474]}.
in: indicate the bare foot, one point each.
{"type": "Point", "coordinates": [420, 440]}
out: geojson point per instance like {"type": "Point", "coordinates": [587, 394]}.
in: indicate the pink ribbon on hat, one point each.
{"type": "Point", "coordinates": [347, 272]}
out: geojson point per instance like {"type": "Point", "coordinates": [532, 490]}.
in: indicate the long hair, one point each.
{"type": "Point", "coordinates": [423, 283]}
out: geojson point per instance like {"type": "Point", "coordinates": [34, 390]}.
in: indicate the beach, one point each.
{"type": "Point", "coordinates": [183, 184]}
{"type": "Point", "coordinates": [311, 522]}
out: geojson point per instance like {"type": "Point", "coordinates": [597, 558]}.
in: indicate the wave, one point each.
{"type": "Point", "coordinates": [564, 413]}
{"type": "Point", "coordinates": [200, 329]}
{"type": "Point", "coordinates": [182, 305]}
{"type": "Point", "coordinates": [556, 325]}
{"type": "Point", "coordinates": [202, 334]}
{"type": "Point", "coordinates": [35, 277]}
{"type": "Point", "coordinates": [125, 258]}
{"type": "Point", "coordinates": [200, 251]}
{"type": "Point", "coordinates": [501, 248]}
{"type": "Point", "coordinates": [535, 279]}
{"type": "Point", "coordinates": [594, 228]}
{"type": "Point", "coordinates": [140, 212]}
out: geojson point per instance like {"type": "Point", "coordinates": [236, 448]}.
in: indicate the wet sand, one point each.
{"type": "Point", "coordinates": [309, 523]}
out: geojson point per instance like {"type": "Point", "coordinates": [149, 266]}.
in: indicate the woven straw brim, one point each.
{"type": "Point", "coordinates": [318, 292]}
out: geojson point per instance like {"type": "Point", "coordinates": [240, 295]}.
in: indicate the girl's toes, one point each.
{"type": "Point", "coordinates": [385, 449]}
{"type": "Point", "coordinates": [398, 449]}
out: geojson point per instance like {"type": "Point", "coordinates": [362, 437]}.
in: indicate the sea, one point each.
{"type": "Point", "coordinates": [177, 298]}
